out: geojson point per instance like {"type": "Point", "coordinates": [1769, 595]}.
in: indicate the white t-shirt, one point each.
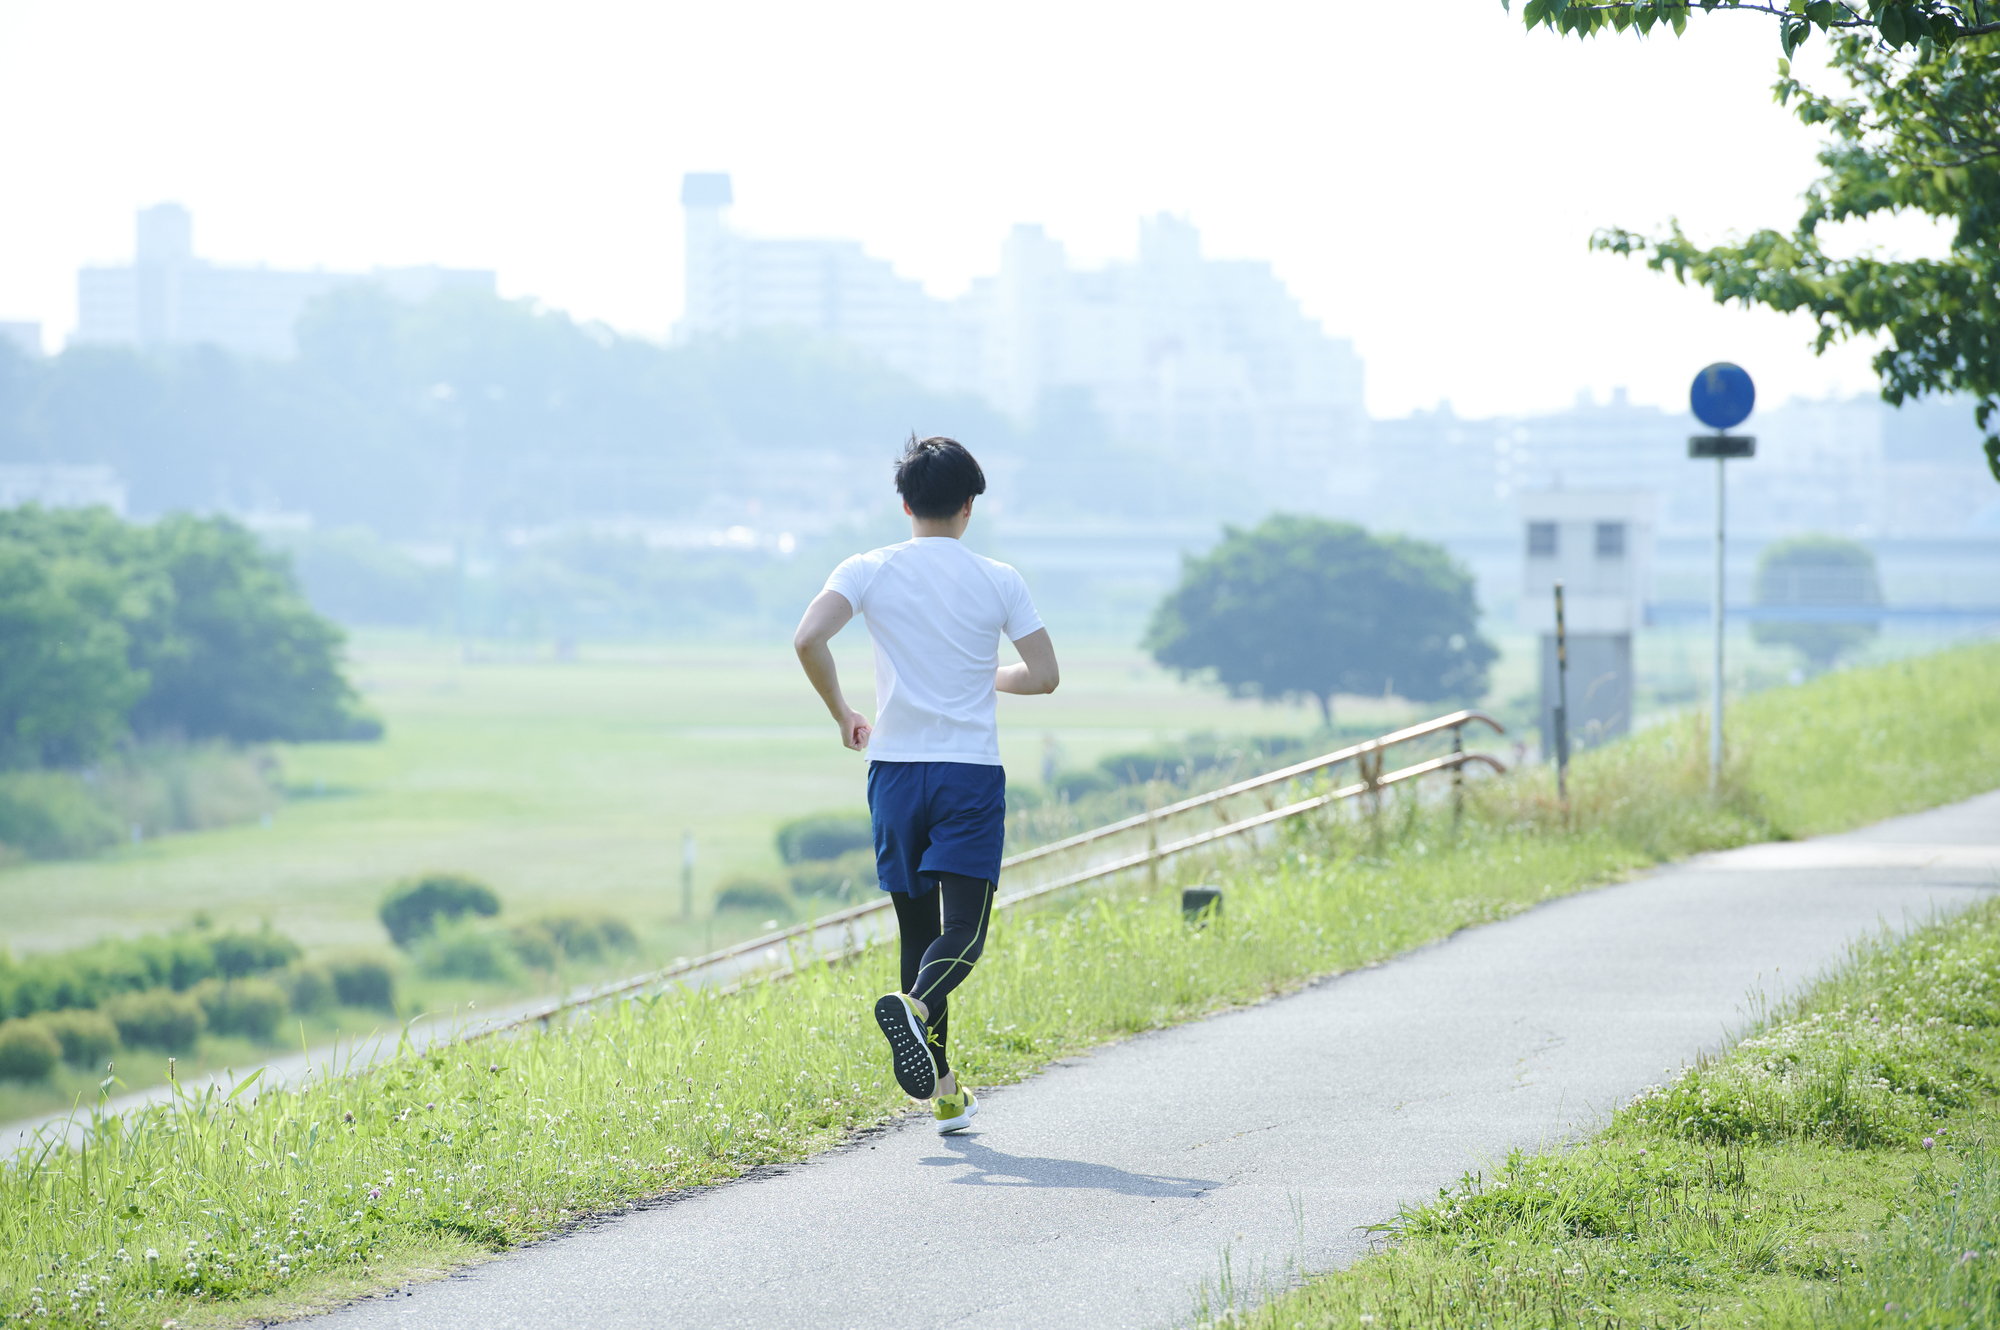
{"type": "Point", "coordinates": [936, 612]}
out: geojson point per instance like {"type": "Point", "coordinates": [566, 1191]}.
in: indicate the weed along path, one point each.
{"type": "Point", "coordinates": [355, 1052]}
{"type": "Point", "coordinates": [1107, 1190]}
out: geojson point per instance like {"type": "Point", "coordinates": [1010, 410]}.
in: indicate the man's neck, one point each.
{"type": "Point", "coordinates": [953, 527]}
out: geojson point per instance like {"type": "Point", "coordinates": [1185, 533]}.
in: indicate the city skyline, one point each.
{"type": "Point", "coordinates": [1416, 202]}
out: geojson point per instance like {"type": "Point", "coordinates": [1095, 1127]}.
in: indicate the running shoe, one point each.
{"type": "Point", "coordinates": [955, 1111]}
{"type": "Point", "coordinates": [909, 1048]}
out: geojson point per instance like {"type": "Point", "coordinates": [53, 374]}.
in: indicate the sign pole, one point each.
{"type": "Point", "coordinates": [687, 875]}
{"type": "Point", "coordinates": [1722, 397]}
{"type": "Point", "coordinates": [1562, 706]}
{"type": "Point", "coordinates": [1715, 674]}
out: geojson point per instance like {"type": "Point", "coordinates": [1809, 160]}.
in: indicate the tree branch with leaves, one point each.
{"type": "Point", "coordinates": [1919, 131]}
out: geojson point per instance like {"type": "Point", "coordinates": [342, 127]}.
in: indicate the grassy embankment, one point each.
{"type": "Point", "coordinates": [567, 786]}
{"type": "Point", "coordinates": [228, 1210]}
{"type": "Point", "coordinates": [1835, 1168]}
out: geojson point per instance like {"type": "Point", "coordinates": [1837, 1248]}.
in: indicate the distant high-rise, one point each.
{"type": "Point", "coordinates": [25, 337]}
{"type": "Point", "coordinates": [167, 296]}
{"type": "Point", "coordinates": [1174, 349]}
{"type": "Point", "coordinates": [827, 287]}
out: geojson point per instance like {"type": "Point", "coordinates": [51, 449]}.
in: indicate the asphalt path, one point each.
{"type": "Point", "coordinates": [1104, 1191]}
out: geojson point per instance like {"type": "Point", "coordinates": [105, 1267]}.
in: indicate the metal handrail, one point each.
{"type": "Point", "coordinates": [1453, 721]}
{"type": "Point", "coordinates": [1152, 855]}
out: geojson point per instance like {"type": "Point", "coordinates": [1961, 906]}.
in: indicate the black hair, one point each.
{"type": "Point", "coordinates": [937, 475]}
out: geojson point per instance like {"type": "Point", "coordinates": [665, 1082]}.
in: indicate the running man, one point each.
{"type": "Point", "coordinates": [936, 790]}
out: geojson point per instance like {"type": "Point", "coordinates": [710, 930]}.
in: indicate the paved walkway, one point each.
{"type": "Point", "coordinates": [1102, 1192]}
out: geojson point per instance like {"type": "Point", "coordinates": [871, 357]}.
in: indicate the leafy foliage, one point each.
{"type": "Point", "coordinates": [188, 627]}
{"type": "Point", "coordinates": [824, 836]}
{"type": "Point", "coordinates": [90, 976]}
{"type": "Point", "coordinates": [27, 1051]}
{"type": "Point", "coordinates": [88, 1038]}
{"type": "Point", "coordinates": [1301, 606]}
{"type": "Point", "coordinates": [1894, 23]}
{"type": "Point", "coordinates": [1921, 134]}
{"type": "Point", "coordinates": [1816, 570]}
{"type": "Point", "coordinates": [246, 656]}
{"type": "Point", "coordinates": [754, 895]}
{"type": "Point", "coordinates": [158, 1018]}
{"type": "Point", "coordinates": [413, 909]}
{"type": "Point", "coordinates": [66, 676]}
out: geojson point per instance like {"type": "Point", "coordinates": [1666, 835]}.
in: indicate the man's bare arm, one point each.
{"type": "Point", "coordinates": [827, 615]}
{"type": "Point", "coordinates": [1037, 671]}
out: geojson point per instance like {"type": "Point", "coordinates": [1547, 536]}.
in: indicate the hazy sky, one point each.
{"type": "Point", "coordinates": [1428, 192]}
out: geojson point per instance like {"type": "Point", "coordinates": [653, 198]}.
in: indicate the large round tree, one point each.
{"type": "Point", "coordinates": [1305, 607]}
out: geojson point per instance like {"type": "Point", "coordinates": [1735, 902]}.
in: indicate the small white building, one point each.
{"type": "Point", "coordinates": [1599, 545]}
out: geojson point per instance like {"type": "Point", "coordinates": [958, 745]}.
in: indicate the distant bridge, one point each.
{"type": "Point", "coordinates": [1698, 611]}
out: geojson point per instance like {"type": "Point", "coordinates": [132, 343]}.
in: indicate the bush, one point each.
{"type": "Point", "coordinates": [28, 1052]}
{"type": "Point", "coordinates": [90, 976]}
{"type": "Point", "coordinates": [363, 981]}
{"type": "Point", "coordinates": [1074, 785]}
{"type": "Point", "coordinates": [462, 950]}
{"type": "Point", "coordinates": [88, 1038]}
{"type": "Point", "coordinates": [308, 988]}
{"type": "Point", "coordinates": [240, 954]}
{"type": "Point", "coordinates": [412, 909]}
{"type": "Point", "coordinates": [249, 1007]}
{"type": "Point", "coordinates": [844, 878]}
{"type": "Point", "coordinates": [576, 937]}
{"type": "Point", "coordinates": [826, 836]}
{"type": "Point", "coordinates": [534, 946]}
{"type": "Point", "coordinates": [754, 895]}
{"type": "Point", "coordinates": [170, 1022]}
{"type": "Point", "coordinates": [52, 815]}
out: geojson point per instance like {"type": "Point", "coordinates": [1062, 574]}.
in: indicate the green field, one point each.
{"type": "Point", "coordinates": [568, 785]}
{"type": "Point", "coordinates": [259, 1201]}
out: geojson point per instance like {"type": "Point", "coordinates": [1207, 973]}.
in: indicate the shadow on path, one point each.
{"type": "Point", "coordinates": [991, 1168]}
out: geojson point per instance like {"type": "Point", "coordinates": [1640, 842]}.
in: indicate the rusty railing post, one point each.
{"type": "Point", "coordinates": [1457, 776]}
{"type": "Point", "coordinates": [1152, 843]}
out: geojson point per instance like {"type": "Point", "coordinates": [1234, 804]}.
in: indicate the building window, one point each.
{"type": "Point", "coordinates": [1610, 540]}
{"type": "Point", "coordinates": [1541, 540]}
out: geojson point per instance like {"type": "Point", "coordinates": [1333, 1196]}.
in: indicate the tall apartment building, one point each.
{"type": "Point", "coordinates": [166, 296]}
{"type": "Point", "coordinates": [1176, 350]}
{"type": "Point", "coordinates": [23, 336]}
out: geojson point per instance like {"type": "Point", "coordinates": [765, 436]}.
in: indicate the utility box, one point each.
{"type": "Point", "coordinates": [1599, 545]}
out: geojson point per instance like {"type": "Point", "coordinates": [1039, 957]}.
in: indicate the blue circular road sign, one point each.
{"type": "Point", "coordinates": [1722, 395]}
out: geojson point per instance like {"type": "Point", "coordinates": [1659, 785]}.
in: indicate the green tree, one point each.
{"type": "Point", "coordinates": [1816, 571]}
{"type": "Point", "coordinates": [66, 681]}
{"type": "Point", "coordinates": [244, 656]}
{"type": "Point", "coordinates": [1920, 132]}
{"type": "Point", "coordinates": [188, 627]}
{"type": "Point", "coordinates": [1304, 607]}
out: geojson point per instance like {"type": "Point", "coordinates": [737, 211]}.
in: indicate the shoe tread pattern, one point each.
{"type": "Point", "coordinates": [915, 1070]}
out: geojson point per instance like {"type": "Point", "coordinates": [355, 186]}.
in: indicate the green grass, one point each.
{"type": "Point", "coordinates": [567, 786]}
{"type": "Point", "coordinates": [261, 1202]}
{"type": "Point", "coordinates": [1830, 1169]}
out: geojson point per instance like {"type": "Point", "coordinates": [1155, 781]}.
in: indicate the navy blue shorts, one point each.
{"type": "Point", "coordinates": [936, 817]}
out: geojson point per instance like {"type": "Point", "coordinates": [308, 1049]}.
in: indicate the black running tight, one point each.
{"type": "Point", "coordinates": [943, 933]}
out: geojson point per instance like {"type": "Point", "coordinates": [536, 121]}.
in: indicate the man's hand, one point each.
{"type": "Point", "coordinates": [1037, 672]}
{"type": "Point", "coordinates": [827, 615]}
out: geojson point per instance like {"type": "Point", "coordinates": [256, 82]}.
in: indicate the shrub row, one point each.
{"type": "Point", "coordinates": [170, 1022]}
{"type": "Point", "coordinates": [90, 976]}
{"type": "Point", "coordinates": [460, 950]}
{"type": "Point", "coordinates": [1177, 764]}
